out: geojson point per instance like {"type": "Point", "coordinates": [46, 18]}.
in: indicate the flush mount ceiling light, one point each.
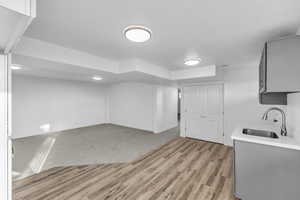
{"type": "Point", "coordinates": [137, 33]}
{"type": "Point", "coordinates": [97, 78]}
{"type": "Point", "coordinates": [192, 62]}
{"type": "Point", "coordinates": [16, 67]}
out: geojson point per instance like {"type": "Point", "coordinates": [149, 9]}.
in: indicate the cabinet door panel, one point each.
{"type": "Point", "coordinates": [262, 71]}
{"type": "Point", "coordinates": [283, 66]}
{"type": "Point", "coordinates": [266, 172]}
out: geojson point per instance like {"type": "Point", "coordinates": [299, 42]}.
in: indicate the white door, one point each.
{"type": "Point", "coordinates": [203, 112]}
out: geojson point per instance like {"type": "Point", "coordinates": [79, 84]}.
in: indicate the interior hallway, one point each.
{"type": "Point", "coordinates": [90, 145]}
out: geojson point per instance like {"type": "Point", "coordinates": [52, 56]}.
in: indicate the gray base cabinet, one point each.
{"type": "Point", "coordinates": [265, 172]}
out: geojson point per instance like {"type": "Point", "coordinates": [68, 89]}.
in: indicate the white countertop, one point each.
{"type": "Point", "coordinates": [283, 141]}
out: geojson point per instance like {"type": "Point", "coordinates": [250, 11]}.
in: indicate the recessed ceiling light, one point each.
{"type": "Point", "coordinates": [192, 62]}
{"type": "Point", "coordinates": [97, 78]}
{"type": "Point", "coordinates": [16, 67]}
{"type": "Point", "coordinates": [137, 33]}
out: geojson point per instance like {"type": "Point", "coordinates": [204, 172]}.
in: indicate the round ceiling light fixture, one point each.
{"type": "Point", "coordinates": [192, 62]}
{"type": "Point", "coordinates": [97, 78]}
{"type": "Point", "coordinates": [16, 67]}
{"type": "Point", "coordinates": [137, 33]}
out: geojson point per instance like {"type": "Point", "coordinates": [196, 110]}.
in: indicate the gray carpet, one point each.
{"type": "Point", "coordinates": [89, 145]}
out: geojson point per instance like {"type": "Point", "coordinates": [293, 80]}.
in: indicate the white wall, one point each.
{"type": "Point", "coordinates": [241, 104]}
{"type": "Point", "coordinates": [166, 108]}
{"type": "Point", "coordinates": [132, 105]}
{"type": "Point", "coordinates": [143, 106]}
{"type": "Point", "coordinates": [293, 118]}
{"type": "Point", "coordinates": [65, 105]}
{"type": "Point", "coordinates": [62, 104]}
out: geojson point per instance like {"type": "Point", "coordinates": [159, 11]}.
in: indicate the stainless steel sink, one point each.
{"type": "Point", "coordinates": [260, 133]}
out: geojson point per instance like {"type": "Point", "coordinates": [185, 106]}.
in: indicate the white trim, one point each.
{"type": "Point", "coordinates": [154, 108]}
{"type": "Point", "coordinates": [9, 124]}
{"type": "Point", "coordinates": [201, 83]}
{"type": "Point", "coordinates": [199, 72]}
{"type": "Point", "coordinates": [31, 8]}
{"type": "Point", "coordinates": [223, 105]}
{"type": "Point", "coordinates": [5, 154]}
{"type": "Point", "coordinates": [182, 125]}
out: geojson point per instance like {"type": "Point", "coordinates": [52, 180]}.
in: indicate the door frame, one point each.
{"type": "Point", "coordinates": [5, 128]}
{"type": "Point", "coordinates": [183, 121]}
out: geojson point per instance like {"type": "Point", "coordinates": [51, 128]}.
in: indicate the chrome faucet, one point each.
{"type": "Point", "coordinates": [283, 130]}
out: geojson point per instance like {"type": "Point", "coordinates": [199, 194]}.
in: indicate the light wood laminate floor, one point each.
{"type": "Point", "coordinates": [181, 169]}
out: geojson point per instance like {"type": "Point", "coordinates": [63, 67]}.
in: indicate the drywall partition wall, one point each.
{"type": "Point", "coordinates": [42, 105]}
{"type": "Point", "coordinates": [241, 105]}
{"type": "Point", "coordinates": [293, 115]}
{"type": "Point", "coordinates": [143, 106]}
{"type": "Point", "coordinates": [165, 108]}
{"type": "Point", "coordinates": [132, 105]}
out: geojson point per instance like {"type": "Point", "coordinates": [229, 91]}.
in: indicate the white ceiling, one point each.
{"type": "Point", "coordinates": [40, 58]}
{"type": "Point", "coordinates": [49, 69]}
{"type": "Point", "coordinates": [220, 32]}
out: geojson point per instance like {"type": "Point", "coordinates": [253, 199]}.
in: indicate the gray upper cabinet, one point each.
{"type": "Point", "coordinates": [281, 65]}
{"type": "Point", "coordinates": [263, 71]}
{"type": "Point", "coordinates": [275, 98]}
{"type": "Point", "coordinates": [279, 70]}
